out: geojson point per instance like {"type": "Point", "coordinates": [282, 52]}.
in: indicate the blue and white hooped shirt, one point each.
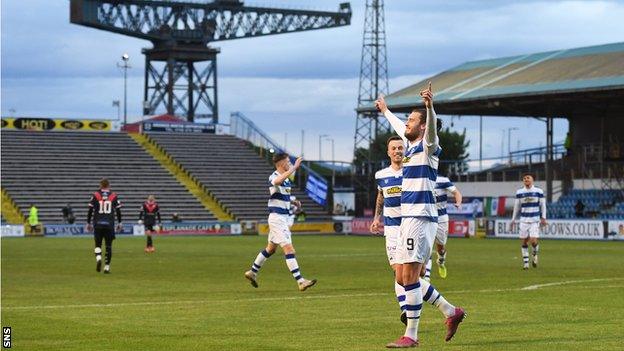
{"type": "Point", "coordinates": [389, 183]}
{"type": "Point", "coordinates": [444, 187]}
{"type": "Point", "coordinates": [279, 202]}
{"type": "Point", "coordinates": [532, 204]}
{"type": "Point", "coordinates": [420, 171]}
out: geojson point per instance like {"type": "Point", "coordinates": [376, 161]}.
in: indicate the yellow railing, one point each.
{"type": "Point", "coordinates": [183, 176]}
{"type": "Point", "coordinates": [10, 211]}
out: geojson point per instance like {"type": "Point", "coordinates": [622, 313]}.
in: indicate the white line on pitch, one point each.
{"type": "Point", "coordinates": [537, 286]}
{"type": "Point", "coordinates": [310, 297]}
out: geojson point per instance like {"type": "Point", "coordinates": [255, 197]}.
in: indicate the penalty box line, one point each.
{"type": "Point", "coordinates": [310, 297]}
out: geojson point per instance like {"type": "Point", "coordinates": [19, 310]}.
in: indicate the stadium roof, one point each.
{"type": "Point", "coordinates": [560, 83]}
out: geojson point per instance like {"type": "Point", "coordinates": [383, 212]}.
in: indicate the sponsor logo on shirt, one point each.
{"type": "Point", "coordinates": [394, 190]}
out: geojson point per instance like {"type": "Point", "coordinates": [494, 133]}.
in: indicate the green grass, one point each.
{"type": "Point", "coordinates": [191, 295]}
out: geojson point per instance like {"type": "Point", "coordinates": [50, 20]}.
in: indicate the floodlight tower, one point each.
{"type": "Point", "coordinates": [373, 79]}
{"type": "Point", "coordinates": [181, 67]}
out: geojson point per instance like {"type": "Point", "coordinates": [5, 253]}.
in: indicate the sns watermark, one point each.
{"type": "Point", "coordinates": [6, 337]}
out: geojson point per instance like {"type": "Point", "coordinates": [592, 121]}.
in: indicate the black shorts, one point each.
{"type": "Point", "coordinates": [104, 232]}
{"type": "Point", "coordinates": [150, 227]}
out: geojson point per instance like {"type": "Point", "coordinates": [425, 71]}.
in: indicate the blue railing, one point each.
{"type": "Point", "coordinates": [243, 128]}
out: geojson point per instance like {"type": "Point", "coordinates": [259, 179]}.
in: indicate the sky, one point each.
{"type": "Point", "coordinates": [299, 81]}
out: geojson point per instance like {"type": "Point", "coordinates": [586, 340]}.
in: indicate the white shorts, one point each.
{"type": "Point", "coordinates": [415, 240]}
{"type": "Point", "coordinates": [392, 237]}
{"type": "Point", "coordinates": [291, 221]}
{"type": "Point", "coordinates": [529, 230]}
{"type": "Point", "coordinates": [279, 232]}
{"type": "Point", "coordinates": [442, 233]}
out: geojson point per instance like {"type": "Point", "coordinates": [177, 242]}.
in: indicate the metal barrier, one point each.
{"type": "Point", "coordinates": [243, 128]}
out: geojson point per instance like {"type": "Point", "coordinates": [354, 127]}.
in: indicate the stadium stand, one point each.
{"type": "Point", "coordinates": [51, 169]}
{"type": "Point", "coordinates": [234, 173]}
{"type": "Point", "coordinates": [600, 204]}
{"type": "Point", "coordinates": [583, 85]}
{"type": "Point", "coordinates": [517, 85]}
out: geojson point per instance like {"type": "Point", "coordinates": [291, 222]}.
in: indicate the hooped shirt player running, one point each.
{"type": "Point", "coordinates": [418, 212]}
{"type": "Point", "coordinates": [444, 188]}
{"type": "Point", "coordinates": [101, 206]}
{"type": "Point", "coordinates": [279, 231]}
{"type": "Point", "coordinates": [531, 206]}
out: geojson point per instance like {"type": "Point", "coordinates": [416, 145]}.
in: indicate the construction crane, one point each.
{"type": "Point", "coordinates": [181, 67]}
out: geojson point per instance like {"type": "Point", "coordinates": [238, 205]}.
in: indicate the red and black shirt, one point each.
{"type": "Point", "coordinates": [149, 212]}
{"type": "Point", "coordinates": [103, 206]}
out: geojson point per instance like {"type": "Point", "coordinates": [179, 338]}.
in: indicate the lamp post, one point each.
{"type": "Point", "coordinates": [480, 143]}
{"type": "Point", "coordinates": [502, 146]}
{"type": "Point", "coordinates": [302, 138]}
{"type": "Point", "coordinates": [332, 143]}
{"type": "Point", "coordinates": [333, 162]}
{"type": "Point", "coordinates": [320, 140]}
{"type": "Point", "coordinates": [509, 141]}
{"type": "Point", "coordinates": [125, 58]}
{"type": "Point", "coordinates": [117, 104]}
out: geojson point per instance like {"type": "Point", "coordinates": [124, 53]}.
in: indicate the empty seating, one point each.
{"type": "Point", "coordinates": [600, 204]}
{"type": "Point", "coordinates": [51, 169]}
{"type": "Point", "coordinates": [231, 170]}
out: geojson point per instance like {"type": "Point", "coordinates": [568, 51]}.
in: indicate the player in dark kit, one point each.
{"type": "Point", "coordinates": [149, 212]}
{"type": "Point", "coordinates": [103, 203]}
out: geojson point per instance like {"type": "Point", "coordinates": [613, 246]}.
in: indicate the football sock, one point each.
{"type": "Point", "coordinates": [441, 257]}
{"type": "Point", "coordinates": [109, 254]}
{"type": "Point", "coordinates": [400, 294]}
{"type": "Point", "coordinates": [262, 256]}
{"type": "Point", "coordinates": [98, 254]}
{"type": "Point", "coordinates": [433, 296]}
{"type": "Point", "coordinates": [525, 254]}
{"type": "Point", "coordinates": [413, 304]}
{"type": "Point", "coordinates": [535, 249]}
{"type": "Point", "coordinates": [149, 240]}
{"type": "Point", "coordinates": [293, 266]}
{"type": "Point", "coordinates": [428, 269]}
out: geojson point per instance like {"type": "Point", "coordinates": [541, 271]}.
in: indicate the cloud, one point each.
{"type": "Point", "coordinates": [421, 38]}
{"type": "Point", "coordinates": [295, 81]}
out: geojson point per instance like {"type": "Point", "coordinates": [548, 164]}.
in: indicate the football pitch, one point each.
{"type": "Point", "coordinates": [191, 295]}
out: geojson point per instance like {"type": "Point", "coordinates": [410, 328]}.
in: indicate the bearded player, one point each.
{"type": "Point", "coordinates": [419, 214]}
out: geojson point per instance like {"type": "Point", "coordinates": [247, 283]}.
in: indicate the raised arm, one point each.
{"type": "Point", "coordinates": [395, 122]}
{"type": "Point", "coordinates": [282, 177]}
{"type": "Point", "coordinates": [431, 133]}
